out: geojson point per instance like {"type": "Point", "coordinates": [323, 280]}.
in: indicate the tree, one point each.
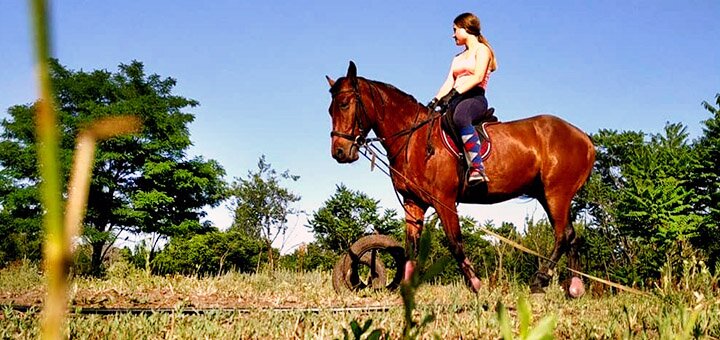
{"type": "Point", "coordinates": [349, 215]}
{"type": "Point", "coordinates": [656, 203]}
{"type": "Point", "coordinates": [140, 183]}
{"type": "Point", "coordinates": [600, 198]}
{"type": "Point", "coordinates": [707, 182]}
{"type": "Point", "coordinates": [261, 204]}
{"type": "Point", "coordinates": [641, 200]}
{"type": "Point", "coordinates": [600, 195]}
{"type": "Point", "coordinates": [479, 250]}
{"type": "Point", "coordinates": [177, 191]}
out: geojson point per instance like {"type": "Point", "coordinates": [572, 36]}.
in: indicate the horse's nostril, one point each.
{"type": "Point", "coordinates": [339, 153]}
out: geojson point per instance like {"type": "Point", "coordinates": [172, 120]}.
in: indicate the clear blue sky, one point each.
{"type": "Point", "coordinates": [257, 68]}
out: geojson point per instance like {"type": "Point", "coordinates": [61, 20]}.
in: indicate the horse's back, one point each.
{"type": "Point", "coordinates": [544, 142]}
{"type": "Point", "coordinates": [544, 128]}
{"type": "Point", "coordinates": [565, 139]}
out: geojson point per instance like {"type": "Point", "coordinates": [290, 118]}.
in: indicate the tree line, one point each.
{"type": "Point", "coordinates": [652, 201]}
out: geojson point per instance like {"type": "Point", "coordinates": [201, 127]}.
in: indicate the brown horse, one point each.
{"type": "Point", "coordinates": [542, 157]}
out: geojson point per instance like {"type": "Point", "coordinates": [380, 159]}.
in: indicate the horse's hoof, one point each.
{"type": "Point", "coordinates": [409, 271]}
{"type": "Point", "coordinates": [537, 289]}
{"type": "Point", "coordinates": [576, 288]}
{"type": "Point", "coordinates": [475, 285]}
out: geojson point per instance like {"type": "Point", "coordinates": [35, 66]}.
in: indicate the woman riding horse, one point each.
{"type": "Point", "coordinates": [542, 157]}
{"type": "Point", "coordinates": [464, 89]}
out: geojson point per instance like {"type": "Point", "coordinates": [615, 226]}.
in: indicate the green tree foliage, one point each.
{"type": "Point", "coordinates": [656, 203]}
{"type": "Point", "coordinates": [501, 261]}
{"type": "Point", "coordinates": [707, 183]}
{"type": "Point", "coordinates": [20, 221]}
{"type": "Point", "coordinates": [211, 253]}
{"type": "Point", "coordinates": [140, 183]}
{"type": "Point", "coordinates": [261, 204]}
{"type": "Point", "coordinates": [349, 215]}
{"type": "Point", "coordinates": [641, 202]}
{"type": "Point", "coordinates": [601, 194]}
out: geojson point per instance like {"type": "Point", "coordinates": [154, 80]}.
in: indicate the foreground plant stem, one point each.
{"type": "Point", "coordinates": [54, 249]}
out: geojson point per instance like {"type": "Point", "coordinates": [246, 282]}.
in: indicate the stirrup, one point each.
{"type": "Point", "coordinates": [477, 176]}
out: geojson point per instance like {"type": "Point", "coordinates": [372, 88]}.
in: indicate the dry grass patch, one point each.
{"type": "Point", "coordinates": [458, 312]}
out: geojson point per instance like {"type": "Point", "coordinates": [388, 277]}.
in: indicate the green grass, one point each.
{"type": "Point", "coordinates": [668, 314]}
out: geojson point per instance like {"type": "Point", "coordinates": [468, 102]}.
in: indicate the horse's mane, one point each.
{"type": "Point", "coordinates": [392, 87]}
{"type": "Point", "coordinates": [336, 87]}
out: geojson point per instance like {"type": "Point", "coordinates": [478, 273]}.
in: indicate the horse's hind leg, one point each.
{"type": "Point", "coordinates": [557, 207]}
{"type": "Point", "coordinates": [576, 288]}
{"type": "Point", "coordinates": [451, 224]}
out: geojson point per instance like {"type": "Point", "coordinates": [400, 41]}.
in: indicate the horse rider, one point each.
{"type": "Point", "coordinates": [463, 92]}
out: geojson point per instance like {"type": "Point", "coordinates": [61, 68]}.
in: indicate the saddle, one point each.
{"type": "Point", "coordinates": [455, 144]}
{"type": "Point", "coordinates": [449, 128]}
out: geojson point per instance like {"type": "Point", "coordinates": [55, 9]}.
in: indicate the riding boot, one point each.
{"type": "Point", "coordinates": [471, 146]}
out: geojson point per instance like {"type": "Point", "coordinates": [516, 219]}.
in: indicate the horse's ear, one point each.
{"type": "Point", "coordinates": [330, 81]}
{"type": "Point", "coordinates": [352, 70]}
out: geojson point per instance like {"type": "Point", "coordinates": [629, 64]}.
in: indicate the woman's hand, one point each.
{"type": "Point", "coordinates": [432, 104]}
{"type": "Point", "coordinates": [446, 99]}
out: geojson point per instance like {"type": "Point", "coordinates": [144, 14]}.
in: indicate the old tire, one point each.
{"type": "Point", "coordinates": [346, 276]}
{"type": "Point", "coordinates": [345, 272]}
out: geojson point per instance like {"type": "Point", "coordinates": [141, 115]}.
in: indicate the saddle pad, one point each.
{"type": "Point", "coordinates": [485, 144]}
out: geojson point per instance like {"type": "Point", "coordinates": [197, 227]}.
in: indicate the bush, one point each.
{"type": "Point", "coordinates": [82, 260]}
{"type": "Point", "coordinates": [211, 253]}
{"type": "Point", "coordinates": [18, 245]}
{"type": "Point", "coordinates": [308, 258]}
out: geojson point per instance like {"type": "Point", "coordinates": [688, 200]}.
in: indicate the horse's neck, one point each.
{"type": "Point", "coordinates": [394, 122]}
{"type": "Point", "coordinates": [397, 120]}
{"type": "Point", "coordinates": [396, 113]}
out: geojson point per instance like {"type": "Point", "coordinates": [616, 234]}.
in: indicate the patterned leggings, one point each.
{"type": "Point", "coordinates": [470, 106]}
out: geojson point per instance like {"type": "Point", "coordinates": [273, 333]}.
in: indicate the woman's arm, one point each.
{"type": "Point", "coordinates": [447, 86]}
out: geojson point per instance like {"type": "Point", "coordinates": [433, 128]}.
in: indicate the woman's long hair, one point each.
{"type": "Point", "coordinates": [471, 24]}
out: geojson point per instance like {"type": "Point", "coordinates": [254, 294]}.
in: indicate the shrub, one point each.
{"type": "Point", "coordinates": [308, 258]}
{"type": "Point", "coordinates": [211, 253]}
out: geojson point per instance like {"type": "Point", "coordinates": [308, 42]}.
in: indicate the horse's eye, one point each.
{"type": "Point", "coordinates": [344, 105]}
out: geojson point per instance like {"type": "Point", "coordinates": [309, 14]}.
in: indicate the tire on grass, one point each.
{"type": "Point", "coordinates": [345, 271]}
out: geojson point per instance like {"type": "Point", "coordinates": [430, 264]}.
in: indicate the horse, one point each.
{"type": "Point", "coordinates": [543, 157]}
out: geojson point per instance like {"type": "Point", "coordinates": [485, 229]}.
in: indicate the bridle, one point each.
{"type": "Point", "coordinates": [360, 138]}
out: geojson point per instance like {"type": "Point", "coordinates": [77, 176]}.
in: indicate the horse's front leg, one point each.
{"type": "Point", "coordinates": [451, 224]}
{"type": "Point", "coordinates": [414, 218]}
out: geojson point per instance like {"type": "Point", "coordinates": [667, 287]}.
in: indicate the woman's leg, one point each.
{"type": "Point", "coordinates": [465, 112]}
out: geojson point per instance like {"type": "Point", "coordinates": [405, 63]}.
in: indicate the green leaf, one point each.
{"type": "Point", "coordinates": [544, 329]}
{"type": "Point", "coordinates": [504, 321]}
{"type": "Point", "coordinates": [525, 316]}
{"type": "Point", "coordinates": [375, 335]}
{"type": "Point", "coordinates": [435, 269]}
{"type": "Point", "coordinates": [426, 320]}
{"type": "Point", "coordinates": [367, 325]}
{"type": "Point", "coordinates": [425, 240]}
{"type": "Point", "coordinates": [356, 329]}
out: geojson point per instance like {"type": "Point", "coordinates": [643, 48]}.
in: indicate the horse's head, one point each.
{"type": "Point", "coordinates": [350, 124]}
